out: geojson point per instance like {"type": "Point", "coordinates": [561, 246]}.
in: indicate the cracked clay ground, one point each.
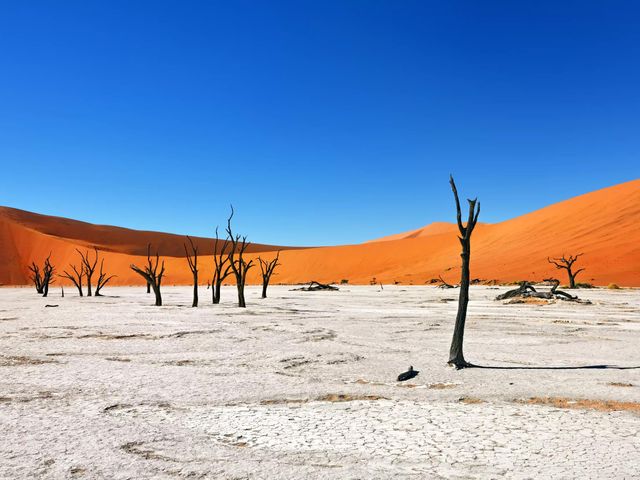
{"type": "Point", "coordinates": [302, 385]}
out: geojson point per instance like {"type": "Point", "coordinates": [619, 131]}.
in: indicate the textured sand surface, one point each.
{"type": "Point", "coordinates": [604, 225]}
{"type": "Point", "coordinates": [302, 385]}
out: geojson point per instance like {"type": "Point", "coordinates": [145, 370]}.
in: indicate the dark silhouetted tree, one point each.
{"type": "Point", "coordinates": [151, 275]}
{"type": "Point", "coordinates": [47, 276]}
{"type": "Point", "coordinates": [239, 265]}
{"type": "Point", "coordinates": [266, 269]}
{"type": "Point", "coordinates": [89, 267]}
{"type": "Point", "coordinates": [103, 279]}
{"type": "Point", "coordinates": [75, 276]}
{"type": "Point", "coordinates": [192, 259]}
{"type": "Point", "coordinates": [566, 263]}
{"type": "Point", "coordinates": [221, 268]}
{"type": "Point", "coordinates": [456, 356]}
{"type": "Point", "coordinates": [36, 278]}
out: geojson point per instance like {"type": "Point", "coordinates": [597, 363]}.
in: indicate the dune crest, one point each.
{"type": "Point", "coordinates": [604, 225]}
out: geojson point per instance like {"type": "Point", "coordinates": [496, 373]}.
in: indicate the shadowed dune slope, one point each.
{"type": "Point", "coordinates": [604, 225]}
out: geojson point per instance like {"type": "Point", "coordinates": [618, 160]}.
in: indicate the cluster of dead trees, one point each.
{"type": "Point", "coordinates": [229, 258]}
{"type": "Point", "coordinates": [84, 269]}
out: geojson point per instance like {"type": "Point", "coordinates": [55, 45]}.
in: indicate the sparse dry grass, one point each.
{"type": "Point", "coordinates": [15, 361]}
{"type": "Point", "coordinates": [442, 386]}
{"type": "Point", "coordinates": [530, 301]}
{"type": "Point", "coordinates": [331, 397]}
{"type": "Point", "coordinates": [600, 405]}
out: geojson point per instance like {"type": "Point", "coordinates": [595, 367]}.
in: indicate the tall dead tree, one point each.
{"type": "Point", "coordinates": [36, 278]}
{"type": "Point", "coordinates": [75, 276]}
{"type": "Point", "coordinates": [266, 269]}
{"type": "Point", "coordinates": [89, 267]}
{"type": "Point", "coordinates": [47, 276]}
{"type": "Point", "coordinates": [221, 268]}
{"type": "Point", "coordinates": [239, 266]}
{"type": "Point", "coordinates": [151, 275]}
{"type": "Point", "coordinates": [103, 279]}
{"type": "Point", "coordinates": [192, 259]}
{"type": "Point", "coordinates": [564, 263]}
{"type": "Point", "coordinates": [456, 356]}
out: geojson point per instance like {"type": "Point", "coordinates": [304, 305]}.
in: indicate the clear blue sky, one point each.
{"type": "Point", "coordinates": [322, 122]}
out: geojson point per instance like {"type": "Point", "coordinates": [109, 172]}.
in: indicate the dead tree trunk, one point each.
{"type": "Point", "coordinates": [192, 259]}
{"type": "Point", "coordinates": [36, 278]}
{"type": "Point", "coordinates": [456, 356]}
{"type": "Point", "coordinates": [47, 277]}
{"type": "Point", "coordinates": [238, 264]}
{"type": "Point", "coordinates": [151, 275]}
{"type": "Point", "coordinates": [444, 284]}
{"type": "Point", "coordinates": [148, 287]}
{"type": "Point", "coordinates": [103, 279]}
{"type": "Point", "coordinates": [564, 263]}
{"type": "Point", "coordinates": [89, 267]}
{"type": "Point", "coordinates": [522, 290]}
{"type": "Point", "coordinates": [266, 269]}
{"type": "Point", "coordinates": [221, 268]}
{"type": "Point", "coordinates": [75, 277]}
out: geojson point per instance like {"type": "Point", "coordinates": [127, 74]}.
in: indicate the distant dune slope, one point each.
{"type": "Point", "coordinates": [604, 225]}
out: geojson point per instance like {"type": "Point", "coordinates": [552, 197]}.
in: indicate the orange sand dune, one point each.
{"type": "Point", "coordinates": [434, 228]}
{"type": "Point", "coordinates": [604, 225]}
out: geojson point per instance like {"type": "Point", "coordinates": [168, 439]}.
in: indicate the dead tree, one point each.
{"type": "Point", "coordinates": [103, 279]}
{"type": "Point", "coordinates": [36, 278]}
{"type": "Point", "coordinates": [75, 277]}
{"type": "Point", "coordinates": [564, 263]}
{"type": "Point", "coordinates": [523, 290]}
{"type": "Point", "coordinates": [151, 275]}
{"type": "Point", "coordinates": [456, 356]}
{"type": "Point", "coordinates": [267, 268]}
{"type": "Point", "coordinates": [526, 290]}
{"type": "Point", "coordinates": [221, 268]}
{"type": "Point", "coordinates": [47, 276]}
{"type": "Point", "coordinates": [89, 267]}
{"type": "Point", "coordinates": [317, 286]}
{"type": "Point", "coordinates": [444, 284]}
{"type": "Point", "coordinates": [239, 266]}
{"type": "Point", "coordinates": [192, 259]}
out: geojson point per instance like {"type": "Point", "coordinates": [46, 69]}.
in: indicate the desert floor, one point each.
{"type": "Point", "coordinates": [302, 385]}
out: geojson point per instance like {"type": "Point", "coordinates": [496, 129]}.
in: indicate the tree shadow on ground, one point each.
{"type": "Point", "coordinates": [579, 367]}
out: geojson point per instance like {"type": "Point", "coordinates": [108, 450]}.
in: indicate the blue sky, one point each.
{"type": "Point", "coordinates": [322, 122]}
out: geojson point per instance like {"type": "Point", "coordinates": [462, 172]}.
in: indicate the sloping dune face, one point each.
{"type": "Point", "coordinates": [603, 225]}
